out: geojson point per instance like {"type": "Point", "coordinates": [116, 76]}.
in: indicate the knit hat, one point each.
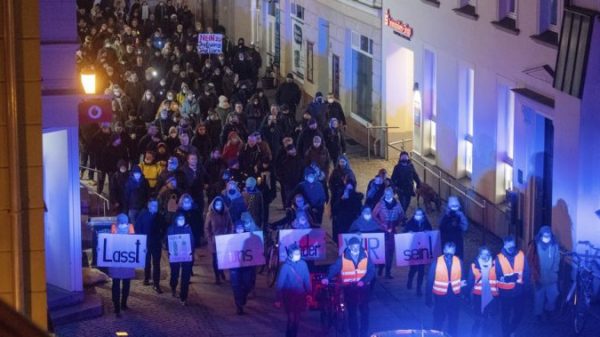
{"type": "Point", "coordinates": [250, 182]}
{"type": "Point", "coordinates": [122, 218]}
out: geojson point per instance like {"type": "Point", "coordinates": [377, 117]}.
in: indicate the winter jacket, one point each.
{"type": "Point", "coordinates": [293, 285]}
{"type": "Point", "coordinates": [413, 226]}
{"type": "Point", "coordinates": [288, 93]}
{"type": "Point", "coordinates": [151, 172]}
{"type": "Point", "coordinates": [216, 223]}
{"type": "Point", "coordinates": [179, 230]}
{"type": "Point", "coordinates": [389, 216]}
{"type": "Point", "coordinates": [255, 204]}
{"type": "Point", "coordinates": [319, 156]}
{"type": "Point", "coordinates": [289, 170]}
{"type": "Point", "coordinates": [336, 268]}
{"type": "Point", "coordinates": [403, 177]}
{"type": "Point", "coordinates": [335, 142]}
{"type": "Point", "coordinates": [153, 226]}
{"type": "Point", "coordinates": [365, 226]}
{"type": "Point", "coordinates": [305, 140]}
{"type": "Point", "coordinates": [313, 193]}
{"type": "Point", "coordinates": [544, 259]}
{"type": "Point", "coordinates": [136, 193]}
{"type": "Point", "coordinates": [335, 110]}
{"type": "Point", "coordinates": [520, 288]}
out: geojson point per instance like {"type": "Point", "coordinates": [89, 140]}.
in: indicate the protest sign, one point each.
{"type": "Point", "coordinates": [121, 250]}
{"type": "Point", "coordinates": [240, 250]}
{"type": "Point", "coordinates": [374, 243]}
{"type": "Point", "coordinates": [311, 242]}
{"type": "Point", "coordinates": [210, 43]}
{"type": "Point", "coordinates": [417, 248]}
{"type": "Point", "coordinates": [180, 248]}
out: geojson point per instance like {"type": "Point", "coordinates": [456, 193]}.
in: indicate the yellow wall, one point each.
{"type": "Point", "coordinates": [30, 133]}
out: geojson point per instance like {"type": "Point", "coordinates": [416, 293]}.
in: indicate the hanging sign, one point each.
{"type": "Point", "coordinates": [399, 27]}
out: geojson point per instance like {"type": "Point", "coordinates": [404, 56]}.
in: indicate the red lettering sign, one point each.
{"type": "Point", "coordinates": [400, 27]}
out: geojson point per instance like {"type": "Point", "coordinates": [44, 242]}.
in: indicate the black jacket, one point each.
{"type": "Point", "coordinates": [136, 193]}
{"type": "Point", "coordinates": [153, 226]}
{"type": "Point", "coordinates": [403, 177]}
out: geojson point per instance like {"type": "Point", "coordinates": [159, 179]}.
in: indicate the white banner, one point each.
{"type": "Point", "coordinates": [210, 43]}
{"type": "Point", "coordinates": [417, 248]}
{"type": "Point", "coordinates": [240, 250]}
{"type": "Point", "coordinates": [180, 248]}
{"type": "Point", "coordinates": [311, 242]}
{"type": "Point", "coordinates": [121, 250]}
{"type": "Point", "coordinates": [374, 243]}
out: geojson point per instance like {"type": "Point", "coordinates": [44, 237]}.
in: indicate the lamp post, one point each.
{"type": "Point", "coordinates": [93, 108]}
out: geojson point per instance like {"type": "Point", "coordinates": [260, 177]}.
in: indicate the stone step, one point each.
{"type": "Point", "coordinates": [90, 307]}
{"type": "Point", "coordinates": [60, 298]}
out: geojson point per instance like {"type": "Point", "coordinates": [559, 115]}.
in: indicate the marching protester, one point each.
{"type": "Point", "coordinates": [446, 279]}
{"type": "Point", "coordinates": [404, 177]}
{"type": "Point", "coordinates": [356, 271]}
{"type": "Point", "coordinates": [418, 223]}
{"type": "Point", "coordinates": [543, 255]}
{"type": "Point", "coordinates": [218, 222]}
{"type": "Point", "coordinates": [484, 290]}
{"type": "Point", "coordinates": [152, 224]}
{"type": "Point", "coordinates": [453, 225]}
{"type": "Point", "coordinates": [389, 214]}
{"type": "Point", "coordinates": [293, 288]}
{"type": "Point", "coordinates": [121, 277]}
{"type": "Point", "coordinates": [243, 279]}
{"type": "Point", "coordinates": [365, 223]}
{"type": "Point", "coordinates": [512, 272]}
{"type": "Point", "coordinates": [180, 226]}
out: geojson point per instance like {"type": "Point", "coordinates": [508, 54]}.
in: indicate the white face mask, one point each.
{"type": "Point", "coordinates": [181, 222]}
{"type": "Point", "coordinates": [389, 198]}
{"type": "Point", "coordinates": [330, 100]}
{"type": "Point", "coordinates": [418, 217]}
{"type": "Point", "coordinates": [137, 176]}
{"type": "Point", "coordinates": [123, 169]}
{"type": "Point", "coordinates": [310, 180]}
{"type": "Point", "coordinates": [296, 257]}
{"type": "Point", "coordinates": [367, 216]}
{"type": "Point", "coordinates": [546, 239]}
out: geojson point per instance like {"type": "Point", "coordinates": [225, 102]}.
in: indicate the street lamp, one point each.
{"type": "Point", "coordinates": [88, 80]}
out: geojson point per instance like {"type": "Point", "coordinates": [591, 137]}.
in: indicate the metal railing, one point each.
{"type": "Point", "coordinates": [402, 142]}
{"type": "Point", "coordinates": [384, 128]}
{"type": "Point", "coordinates": [469, 196]}
{"type": "Point", "coordinates": [105, 201]}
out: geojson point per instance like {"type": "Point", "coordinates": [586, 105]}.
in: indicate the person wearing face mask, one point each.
{"type": "Point", "coordinates": [404, 177]}
{"type": "Point", "coordinates": [289, 172]}
{"type": "Point", "coordinates": [318, 110]}
{"type": "Point", "coordinates": [318, 154]}
{"type": "Point", "coordinates": [314, 193]}
{"type": "Point", "coordinates": [254, 113]}
{"type": "Point", "coordinates": [243, 279]}
{"type": "Point", "coordinates": [377, 187]}
{"type": "Point", "coordinates": [152, 224]}
{"type": "Point", "coordinates": [215, 169]}
{"type": "Point", "coordinates": [445, 282]}
{"type": "Point", "coordinates": [389, 214]}
{"type": "Point", "coordinates": [340, 177]}
{"type": "Point", "coordinates": [345, 209]}
{"type": "Point", "coordinates": [111, 154]}
{"type": "Point", "coordinates": [512, 272]}
{"type": "Point", "coordinates": [150, 169]}
{"type": "Point", "coordinates": [418, 223]}
{"type": "Point", "coordinates": [484, 289]}
{"type": "Point", "coordinates": [165, 124]}
{"type": "Point", "coordinates": [193, 216]}
{"type": "Point", "coordinates": [173, 169]}
{"type": "Point", "coordinates": [334, 140]}
{"type": "Point", "coordinates": [117, 183]}
{"type": "Point", "coordinates": [214, 128]}
{"type": "Point", "coordinates": [168, 197]}
{"type": "Point", "coordinates": [137, 192]}
{"type": "Point", "coordinates": [234, 201]}
{"type": "Point", "coordinates": [365, 222]}
{"type": "Point", "coordinates": [293, 288]}
{"type": "Point", "coordinates": [289, 93]}
{"type": "Point", "coordinates": [218, 222]}
{"type": "Point", "coordinates": [121, 276]}
{"type": "Point", "coordinates": [335, 110]}
{"type": "Point", "coordinates": [180, 227]}
{"type": "Point", "coordinates": [356, 271]}
{"type": "Point", "coordinates": [543, 255]}
{"type": "Point", "coordinates": [254, 200]}
{"type": "Point", "coordinates": [453, 225]}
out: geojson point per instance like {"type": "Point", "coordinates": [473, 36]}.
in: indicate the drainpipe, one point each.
{"type": "Point", "coordinates": [14, 162]}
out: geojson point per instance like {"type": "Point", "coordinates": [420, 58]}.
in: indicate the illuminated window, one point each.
{"type": "Point", "coordinates": [362, 76]}
{"type": "Point", "coordinates": [466, 104]}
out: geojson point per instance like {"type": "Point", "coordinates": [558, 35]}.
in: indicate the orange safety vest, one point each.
{"type": "Point", "coordinates": [477, 276]}
{"type": "Point", "coordinates": [352, 274]}
{"type": "Point", "coordinates": [441, 282]}
{"type": "Point", "coordinates": [508, 270]}
{"type": "Point", "coordinates": [113, 229]}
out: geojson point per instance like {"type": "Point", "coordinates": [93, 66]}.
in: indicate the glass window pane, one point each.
{"type": "Point", "coordinates": [512, 6]}
{"type": "Point", "coordinates": [362, 85]}
{"type": "Point", "coordinates": [554, 12]}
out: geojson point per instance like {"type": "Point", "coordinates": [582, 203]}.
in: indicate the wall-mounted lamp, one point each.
{"type": "Point", "coordinates": [88, 81]}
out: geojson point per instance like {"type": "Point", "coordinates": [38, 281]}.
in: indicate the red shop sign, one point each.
{"type": "Point", "coordinates": [399, 27]}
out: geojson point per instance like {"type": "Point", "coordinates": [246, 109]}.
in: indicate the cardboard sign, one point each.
{"type": "Point", "coordinates": [180, 248]}
{"type": "Point", "coordinates": [374, 243]}
{"type": "Point", "coordinates": [210, 43]}
{"type": "Point", "coordinates": [121, 250]}
{"type": "Point", "coordinates": [417, 248]}
{"type": "Point", "coordinates": [240, 250]}
{"type": "Point", "coordinates": [311, 242]}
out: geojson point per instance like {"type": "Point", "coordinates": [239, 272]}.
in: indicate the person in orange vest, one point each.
{"type": "Point", "coordinates": [356, 272]}
{"type": "Point", "coordinates": [512, 272]}
{"type": "Point", "coordinates": [121, 276]}
{"type": "Point", "coordinates": [484, 289]}
{"type": "Point", "coordinates": [445, 283]}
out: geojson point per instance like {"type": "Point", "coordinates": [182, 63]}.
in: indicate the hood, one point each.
{"type": "Point", "coordinates": [543, 230]}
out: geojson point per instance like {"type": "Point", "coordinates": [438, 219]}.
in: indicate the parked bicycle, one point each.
{"type": "Point", "coordinates": [271, 254]}
{"type": "Point", "coordinates": [330, 300]}
{"type": "Point", "coordinates": [581, 292]}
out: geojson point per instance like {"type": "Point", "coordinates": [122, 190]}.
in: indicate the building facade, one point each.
{"type": "Point", "coordinates": [497, 98]}
{"type": "Point", "coordinates": [329, 46]}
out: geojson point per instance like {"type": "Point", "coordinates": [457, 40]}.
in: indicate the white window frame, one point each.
{"type": "Point", "coordinates": [355, 44]}
{"type": "Point", "coordinates": [509, 13]}
{"type": "Point", "coordinates": [555, 27]}
{"type": "Point", "coordinates": [463, 3]}
{"type": "Point", "coordinates": [469, 111]}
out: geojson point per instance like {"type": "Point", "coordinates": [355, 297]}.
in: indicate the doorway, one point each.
{"type": "Point", "coordinates": [540, 153]}
{"type": "Point", "coordinates": [399, 84]}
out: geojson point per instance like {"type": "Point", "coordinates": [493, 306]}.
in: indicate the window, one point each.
{"type": "Point", "coordinates": [362, 76]}
{"type": "Point", "coordinates": [309, 61]}
{"type": "Point", "coordinates": [429, 101]}
{"type": "Point", "coordinates": [297, 11]}
{"type": "Point", "coordinates": [465, 119]}
{"type": "Point", "coordinates": [549, 15]}
{"type": "Point", "coordinates": [505, 136]}
{"type": "Point", "coordinates": [507, 16]}
{"type": "Point", "coordinates": [511, 11]}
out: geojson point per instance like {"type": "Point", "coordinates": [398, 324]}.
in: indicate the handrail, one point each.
{"type": "Point", "coordinates": [401, 142]}
{"type": "Point", "coordinates": [370, 127]}
{"type": "Point", "coordinates": [105, 201]}
{"type": "Point", "coordinates": [81, 167]}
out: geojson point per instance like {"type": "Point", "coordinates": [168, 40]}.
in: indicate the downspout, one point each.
{"type": "Point", "coordinates": [14, 162]}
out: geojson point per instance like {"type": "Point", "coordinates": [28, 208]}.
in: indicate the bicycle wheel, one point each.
{"type": "Point", "coordinates": [340, 320]}
{"type": "Point", "coordinates": [580, 310]}
{"type": "Point", "coordinates": [273, 266]}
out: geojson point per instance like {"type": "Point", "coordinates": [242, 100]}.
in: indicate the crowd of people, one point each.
{"type": "Point", "coordinates": [196, 147]}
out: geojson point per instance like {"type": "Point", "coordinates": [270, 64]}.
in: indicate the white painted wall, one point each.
{"type": "Point", "coordinates": [496, 56]}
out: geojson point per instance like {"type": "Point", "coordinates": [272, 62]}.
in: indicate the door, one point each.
{"type": "Point", "coordinates": [399, 90]}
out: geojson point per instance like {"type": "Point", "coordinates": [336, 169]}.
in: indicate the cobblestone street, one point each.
{"type": "Point", "coordinates": [211, 312]}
